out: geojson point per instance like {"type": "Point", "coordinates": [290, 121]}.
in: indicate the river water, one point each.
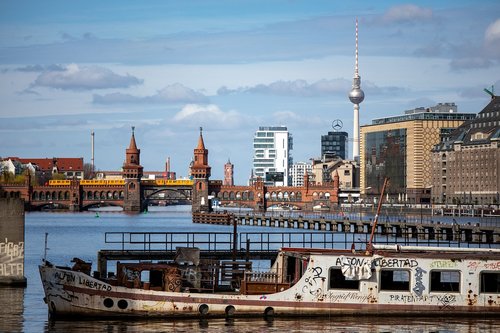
{"type": "Point", "coordinates": [82, 235]}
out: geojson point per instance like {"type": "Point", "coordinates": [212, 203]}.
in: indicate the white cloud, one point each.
{"type": "Point", "coordinates": [492, 39]}
{"type": "Point", "coordinates": [175, 93]}
{"type": "Point", "coordinates": [74, 77]}
{"type": "Point", "coordinates": [294, 88]}
{"type": "Point", "coordinates": [301, 88]}
{"type": "Point", "coordinates": [209, 115]}
{"type": "Point", "coordinates": [493, 32]}
{"type": "Point", "coordinates": [407, 13]}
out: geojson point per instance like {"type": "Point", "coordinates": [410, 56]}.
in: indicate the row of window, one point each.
{"type": "Point", "coordinates": [399, 280]}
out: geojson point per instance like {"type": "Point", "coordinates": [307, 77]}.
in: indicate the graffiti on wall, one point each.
{"type": "Point", "coordinates": [11, 258]}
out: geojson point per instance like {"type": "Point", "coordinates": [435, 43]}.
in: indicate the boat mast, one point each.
{"type": "Point", "coordinates": [46, 248]}
{"type": "Point", "coordinates": [369, 247]}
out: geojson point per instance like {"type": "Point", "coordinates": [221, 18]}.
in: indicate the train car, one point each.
{"type": "Point", "coordinates": [59, 182]}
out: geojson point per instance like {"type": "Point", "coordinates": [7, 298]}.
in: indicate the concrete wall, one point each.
{"type": "Point", "coordinates": [12, 242]}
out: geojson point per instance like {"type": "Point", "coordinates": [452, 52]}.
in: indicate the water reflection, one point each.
{"type": "Point", "coordinates": [11, 310]}
{"type": "Point", "coordinates": [256, 325]}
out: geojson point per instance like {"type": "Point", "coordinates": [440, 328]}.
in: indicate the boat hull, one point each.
{"type": "Point", "coordinates": [75, 294]}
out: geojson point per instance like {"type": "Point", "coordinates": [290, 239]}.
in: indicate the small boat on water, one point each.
{"type": "Point", "coordinates": [388, 280]}
{"type": "Point", "coordinates": [382, 280]}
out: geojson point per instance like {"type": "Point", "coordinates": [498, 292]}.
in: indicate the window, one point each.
{"type": "Point", "coordinates": [395, 280]}
{"type": "Point", "coordinates": [445, 281]}
{"type": "Point", "coordinates": [490, 282]}
{"type": "Point", "coordinates": [338, 280]}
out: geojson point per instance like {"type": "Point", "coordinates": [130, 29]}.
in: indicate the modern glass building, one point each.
{"type": "Point", "coordinates": [272, 158]}
{"type": "Point", "coordinates": [400, 148]}
{"type": "Point", "coordinates": [334, 144]}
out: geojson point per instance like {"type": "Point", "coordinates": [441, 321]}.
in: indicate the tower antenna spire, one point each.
{"type": "Point", "coordinates": [356, 72]}
{"type": "Point", "coordinates": [356, 96]}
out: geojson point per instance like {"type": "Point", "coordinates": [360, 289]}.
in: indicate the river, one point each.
{"type": "Point", "coordinates": [82, 235]}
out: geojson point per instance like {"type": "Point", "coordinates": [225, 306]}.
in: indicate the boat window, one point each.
{"type": "Point", "coordinates": [395, 279]}
{"type": "Point", "coordinates": [338, 280]}
{"type": "Point", "coordinates": [490, 282]}
{"type": "Point", "coordinates": [445, 281]}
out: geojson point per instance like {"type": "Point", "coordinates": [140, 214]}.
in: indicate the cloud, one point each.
{"type": "Point", "coordinates": [28, 91]}
{"type": "Point", "coordinates": [38, 68]}
{"type": "Point", "coordinates": [294, 88]}
{"type": "Point", "coordinates": [492, 39]}
{"type": "Point", "coordinates": [209, 115]}
{"type": "Point", "coordinates": [175, 93]}
{"type": "Point", "coordinates": [492, 33]}
{"type": "Point", "coordinates": [470, 63]}
{"type": "Point", "coordinates": [407, 13]}
{"type": "Point", "coordinates": [301, 88]}
{"type": "Point", "coordinates": [74, 77]}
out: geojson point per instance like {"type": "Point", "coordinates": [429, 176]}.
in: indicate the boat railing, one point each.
{"type": "Point", "coordinates": [260, 242]}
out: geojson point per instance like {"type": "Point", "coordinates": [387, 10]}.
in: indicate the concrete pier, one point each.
{"type": "Point", "coordinates": [12, 242]}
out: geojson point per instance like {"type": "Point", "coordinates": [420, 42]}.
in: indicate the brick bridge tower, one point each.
{"type": "Point", "coordinates": [132, 173]}
{"type": "Point", "coordinates": [200, 172]}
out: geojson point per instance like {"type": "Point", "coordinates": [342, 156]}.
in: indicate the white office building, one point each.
{"type": "Point", "coordinates": [297, 172]}
{"type": "Point", "coordinates": [272, 158]}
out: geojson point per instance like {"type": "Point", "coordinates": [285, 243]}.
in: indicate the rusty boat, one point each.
{"type": "Point", "coordinates": [387, 280]}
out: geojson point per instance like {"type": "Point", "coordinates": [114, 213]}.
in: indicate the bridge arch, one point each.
{"type": "Point", "coordinates": [12, 194]}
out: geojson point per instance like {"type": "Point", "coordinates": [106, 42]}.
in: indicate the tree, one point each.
{"type": "Point", "coordinates": [88, 171]}
{"type": "Point", "coordinates": [58, 176]}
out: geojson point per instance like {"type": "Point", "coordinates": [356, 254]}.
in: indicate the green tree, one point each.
{"type": "Point", "coordinates": [58, 176]}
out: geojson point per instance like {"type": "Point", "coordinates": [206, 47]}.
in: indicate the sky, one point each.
{"type": "Point", "coordinates": [68, 68]}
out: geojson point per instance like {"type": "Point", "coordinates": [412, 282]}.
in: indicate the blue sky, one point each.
{"type": "Point", "coordinates": [169, 67]}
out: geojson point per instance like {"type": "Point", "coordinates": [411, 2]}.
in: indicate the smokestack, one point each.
{"type": "Point", "coordinates": [92, 158]}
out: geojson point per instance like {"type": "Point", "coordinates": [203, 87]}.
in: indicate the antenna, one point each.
{"type": "Point", "coordinates": [491, 93]}
{"type": "Point", "coordinates": [356, 72]}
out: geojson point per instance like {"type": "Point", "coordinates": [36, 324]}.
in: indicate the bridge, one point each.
{"type": "Point", "coordinates": [134, 194]}
{"type": "Point", "coordinates": [80, 195]}
{"type": "Point", "coordinates": [261, 197]}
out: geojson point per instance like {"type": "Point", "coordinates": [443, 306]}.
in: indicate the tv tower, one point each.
{"type": "Point", "coordinates": [356, 95]}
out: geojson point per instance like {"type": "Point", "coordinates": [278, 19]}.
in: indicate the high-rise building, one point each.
{"type": "Point", "coordinates": [466, 165]}
{"type": "Point", "coordinates": [400, 148]}
{"type": "Point", "coordinates": [298, 171]}
{"type": "Point", "coordinates": [228, 174]}
{"type": "Point", "coordinates": [334, 144]}
{"type": "Point", "coordinates": [272, 158]}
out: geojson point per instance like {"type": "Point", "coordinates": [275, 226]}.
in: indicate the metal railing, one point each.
{"type": "Point", "coordinates": [255, 242]}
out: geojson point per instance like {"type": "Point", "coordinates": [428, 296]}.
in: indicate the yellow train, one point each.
{"type": "Point", "coordinates": [173, 182]}
{"type": "Point", "coordinates": [118, 182]}
{"type": "Point", "coordinates": [59, 182]}
{"type": "Point", "coordinates": [102, 182]}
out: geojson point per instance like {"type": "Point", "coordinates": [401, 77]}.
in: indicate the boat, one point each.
{"type": "Point", "coordinates": [379, 280]}
{"type": "Point", "coordinates": [389, 280]}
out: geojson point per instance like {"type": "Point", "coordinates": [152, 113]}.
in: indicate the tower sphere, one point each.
{"type": "Point", "coordinates": [356, 95]}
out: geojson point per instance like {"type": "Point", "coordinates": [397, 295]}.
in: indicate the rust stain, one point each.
{"type": "Point", "coordinates": [371, 298]}
{"type": "Point", "coordinates": [471, 298]}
